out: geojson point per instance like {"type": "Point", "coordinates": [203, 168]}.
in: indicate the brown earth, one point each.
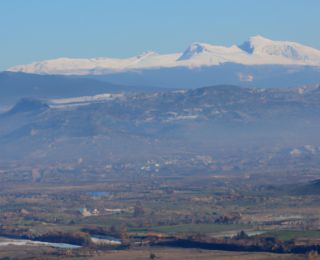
{"type": "Point", "coordinates": [192, 254]}
{"type": "Point", "coordinates": [22, 252]}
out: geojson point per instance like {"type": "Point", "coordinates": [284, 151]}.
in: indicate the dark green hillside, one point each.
{"type": "Point", "coordinates": [312, 188]}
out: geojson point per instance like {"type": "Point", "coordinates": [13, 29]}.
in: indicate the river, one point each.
{"type": "Point", "coordinates": [5, 241]}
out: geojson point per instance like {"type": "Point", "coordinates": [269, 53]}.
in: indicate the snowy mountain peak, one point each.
{"type": "Point", "coordinates": [256, 50]}
{"type": "Point", "coordinates": [254, 42]}
{"type": "Point", "coordinates": [147, 54]}
{"type": "Point", "coordinates": [194, 48]}
{"type": "Point", "coordinates": [259, 40]}
{"type": "Point", "coordinates": [280, 49]}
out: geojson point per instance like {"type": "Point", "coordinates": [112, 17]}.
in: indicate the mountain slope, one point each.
{"type": "Point", "coordinates": [262, 76]}
{"type": "Point", "coordinates": [14, 86]}
{"type": "Point", "coordinates": [26, 105]}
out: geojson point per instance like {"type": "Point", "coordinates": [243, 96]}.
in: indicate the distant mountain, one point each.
{"type": "Point", "coordinates": [218, 126]}
{"type": "Point", "coordinates": [14, 86]}
{"type": "Point", "coordinates": [258, 62]}
{"type": "Point", "coordinates": [262, 76]}
{"type": "Point", "coordinates": [255, 51]}
{"type": "Point", "coordinates": [27, 105]}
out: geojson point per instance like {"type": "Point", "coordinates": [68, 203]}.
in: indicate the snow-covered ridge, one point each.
{"type": "Point", "coordinates": [255, 51]}
{"type": "Point", "coordinates": [78, 101]}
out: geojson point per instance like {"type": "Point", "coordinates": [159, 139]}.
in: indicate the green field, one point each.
{"type": "Point", "coordinates": [286, 235]}
{"type": "Point", "coordinates": [168, 205]}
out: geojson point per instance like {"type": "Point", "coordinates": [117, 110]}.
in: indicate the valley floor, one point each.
{"type": "Point", "coordinates": [192, 254]}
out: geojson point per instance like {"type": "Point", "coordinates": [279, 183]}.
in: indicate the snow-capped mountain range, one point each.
{"type": "Point", "coordinates": [255, 51]}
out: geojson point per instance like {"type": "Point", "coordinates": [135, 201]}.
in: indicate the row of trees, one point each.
{"type": "Point", "coordinates": [242, 242]}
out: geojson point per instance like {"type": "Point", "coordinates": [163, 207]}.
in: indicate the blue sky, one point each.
{"type": "Point", "coordinates": [39, 30]}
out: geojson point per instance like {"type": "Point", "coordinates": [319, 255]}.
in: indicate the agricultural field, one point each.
{"type": "Point", "coordinates": [175, 208]}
